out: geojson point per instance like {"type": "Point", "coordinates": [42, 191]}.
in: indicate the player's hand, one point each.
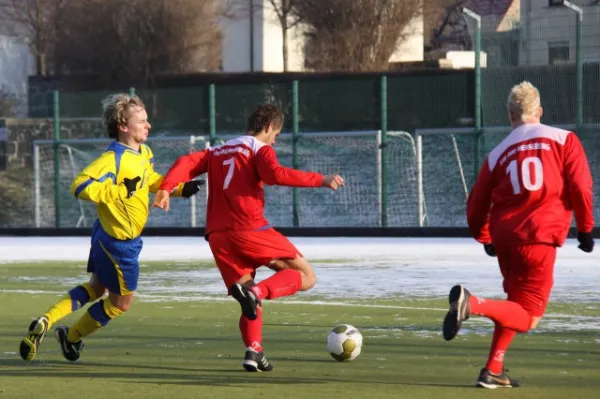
{"type": "Point", "coordinates": [131, 185]}
{"type": "Point", "coordinates": [162, 200]}
{"type": "Point", "coordinates": [586, 241]}
{"type": "Point", "coordinates": [191, 188]}
{"type": "Point", "coordinates": [333, 181]}
{"type": "Point", "coordinates": [489, 249]}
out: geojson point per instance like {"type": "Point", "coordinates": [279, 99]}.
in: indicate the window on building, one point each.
{"type": "Point", "coordinates": [558, 52]}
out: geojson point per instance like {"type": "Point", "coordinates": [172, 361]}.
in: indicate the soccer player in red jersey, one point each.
{"type": "Point", "coordinates": [520, 209]}
{"type": "Point", "coordinates": [237, 231]}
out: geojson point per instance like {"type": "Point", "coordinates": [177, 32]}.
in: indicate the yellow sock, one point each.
{"type": "Point", "coordinates": [97, 316]}
{"type": "Point", "coordinates": [69, 303]}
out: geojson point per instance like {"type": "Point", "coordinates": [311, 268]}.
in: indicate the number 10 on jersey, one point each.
{"type": "Point", "coordinates": [530, 183]}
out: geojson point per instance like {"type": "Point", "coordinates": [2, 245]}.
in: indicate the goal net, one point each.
{"type": "Point", "coordinates": [74, 155]}
{"type": "Point", "coordinates": [448, 161]}
{"type": "Point", "coordinates": [381, 183]}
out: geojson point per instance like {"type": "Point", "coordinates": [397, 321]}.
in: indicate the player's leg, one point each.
{"type": "Point", "coordinates": [527, 283]}
{"type": "Point", "coordinates": [293, 273]}
{"type": "Point", "coordinates": [72, 301]}
{"type": "Point", "coordinates": [117, 268]}
{"type": "Point", "coordinates": [239, 272]}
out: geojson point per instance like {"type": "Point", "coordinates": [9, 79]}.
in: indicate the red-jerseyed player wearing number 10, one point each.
{"type": "Point", "coordinates": [237, 231]}
{"type": "Point", "coordinates": [521, 208]}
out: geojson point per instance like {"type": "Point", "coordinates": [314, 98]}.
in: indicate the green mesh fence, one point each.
{"type": "Point", "coordinates": [355, 155]}
{"type": "Point", "coordinates": [437, 108]}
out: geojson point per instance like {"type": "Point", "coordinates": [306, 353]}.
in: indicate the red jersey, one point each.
{"type": "Point", "coordinates": [236, 173]}
{"type": "Point", "coordinates": [528, 188]}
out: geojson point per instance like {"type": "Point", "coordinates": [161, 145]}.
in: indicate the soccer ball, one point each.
{"type": "Point", "coordinates": [344, 342]}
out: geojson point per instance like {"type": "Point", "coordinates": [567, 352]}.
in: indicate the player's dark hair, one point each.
{"type": "Point", "coordinates": [262, 116]}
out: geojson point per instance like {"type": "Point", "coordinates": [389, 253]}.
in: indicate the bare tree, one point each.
{"type": "Point", "coordinates": [284, 10]}
{"type": "Point", "coordinates": [37, 21]}
{"type": "Point", "coordinates": [133, 41]}
{"type": "Point", "coordinates": [357, 35]}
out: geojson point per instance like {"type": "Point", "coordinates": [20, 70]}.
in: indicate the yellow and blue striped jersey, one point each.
{"type": "Point", "coordinates": [101, 182]}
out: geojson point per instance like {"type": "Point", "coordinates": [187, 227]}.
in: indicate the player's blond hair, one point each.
{"type": "Point", "coordinates": [524, 101]}
{"type": "Point", "coordinates": [115, 111]}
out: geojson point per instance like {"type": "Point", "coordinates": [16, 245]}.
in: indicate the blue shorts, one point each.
{"type": "Point", "coordinates": [114, 262]}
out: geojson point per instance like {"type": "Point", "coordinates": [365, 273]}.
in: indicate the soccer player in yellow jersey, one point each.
{"type": "Point", "coordinates": [118, 181]}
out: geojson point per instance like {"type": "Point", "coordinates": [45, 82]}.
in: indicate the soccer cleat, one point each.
{"type": "Point", "coordinates": [248, 301]}
{"type": "Point", "coordinates": [458, 312]}
{"type": "Point", "coordinates": [489, 380]}
{"type": "Point", "coordinates": [256, 361]}
{"type": "Point", "coordinates": [71, 350]}
{"type": "Point", "coordinates": [30, 344]}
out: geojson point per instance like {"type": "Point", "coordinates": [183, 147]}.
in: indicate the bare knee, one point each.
{"type": "Point", "coordinates": [535, 321]}
{"type": "Point", "coordinates": [309, 278]}
{"type": "Point", "coordinates": [121, 302]}
{"type": "Point", "coordinates": [308, 281]}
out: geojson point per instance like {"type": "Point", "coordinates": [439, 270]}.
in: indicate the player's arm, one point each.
{"type": "Point", "coordinates": [155, 179]}
{"type": "Point", "coordinates": [181, 174]}
{"type": "Point", "coordinates": [97, 182]}
{"type": "Point", "coordinates": [578, 180]}
{"type": "Point", "coordinates": [478, 206]}
{"type": "Point", "coordinates": [272, 173]}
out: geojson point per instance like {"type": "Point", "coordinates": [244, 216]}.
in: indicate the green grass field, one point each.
{"type": "Point", "coordinates": [175, 343]}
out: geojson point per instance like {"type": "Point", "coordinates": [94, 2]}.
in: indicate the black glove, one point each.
{"type": "Point", "coordinates": [489, 249]}
{"type": "Point", "coordinates": [586, 241]}
{"type": "Point", "coordinates": [191, 187]}
{"type": "Point", "coordinates": [131, 185]}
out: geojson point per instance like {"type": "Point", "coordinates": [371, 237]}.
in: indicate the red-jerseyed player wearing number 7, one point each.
{"type": "Point", "coordinates": [520, 209]}
{"type": "Point", "coordinates": [237, 231]}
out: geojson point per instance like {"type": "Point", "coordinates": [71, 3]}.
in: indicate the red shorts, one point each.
{"type": "Point", "coordinates": [238, 253]}
{"type": "Point", "coordinates": [528, 272]}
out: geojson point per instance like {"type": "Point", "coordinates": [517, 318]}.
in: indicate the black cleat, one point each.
{"type": "Point", "coordinates": [256, 361]}
{"type": "Point", "coordinates": [70, 350]}
{"type": "Point", "coordinates": [489, 380]}
{"type": "Point", "coordinates": [248, 301]}
{"type": "Point", "coordinates": [459, 311]}
{"type": "Point", "coordinates": [30, 344]}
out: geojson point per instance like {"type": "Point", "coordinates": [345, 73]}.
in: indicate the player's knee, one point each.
{"type": "Point", "coordinates": [121, 302]}
{"type": "Point", "coordinates": [535, 321]}
{"type": "Point", "coordinates": [308, 281]}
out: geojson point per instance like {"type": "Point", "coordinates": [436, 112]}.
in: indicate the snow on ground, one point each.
{"type": "Point", "coordinates": [363, 267]}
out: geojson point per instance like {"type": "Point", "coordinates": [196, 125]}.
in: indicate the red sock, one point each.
{"type": "Point", "coordinates": [507, 313]}
{"type": "Point", "coordinates": [252, 331]}
{"type": "Point", "coordinates": [500, 343]}
{"type": "Point", "coordinates": [283, 283]}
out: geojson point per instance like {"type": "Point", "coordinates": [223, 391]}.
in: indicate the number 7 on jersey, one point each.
{"type": "Point", "coordinates": [231, 163]}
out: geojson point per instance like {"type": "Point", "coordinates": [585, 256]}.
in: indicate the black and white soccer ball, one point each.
{"type": "Point", "coordinates": [344, 342]}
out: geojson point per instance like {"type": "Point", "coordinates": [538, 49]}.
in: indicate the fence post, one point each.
{"type": "Point", "coordinates": [55, 145]}
{"type": "Point", "coordinates": [579, 73]}
{"type": "Point", "coordinates": [212, 114]}
{"type": "Point", "coordinates": [478, 132]}
{"type": "Point", "coordinates": [383, 149]}
{"type": "Point", "coordinates": [295, 137]}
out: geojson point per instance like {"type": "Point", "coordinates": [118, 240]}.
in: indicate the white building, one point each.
{"type": "Point", "coordinates": [548, 34]}
{"type": "Point", "coordinates": [256, 44]}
